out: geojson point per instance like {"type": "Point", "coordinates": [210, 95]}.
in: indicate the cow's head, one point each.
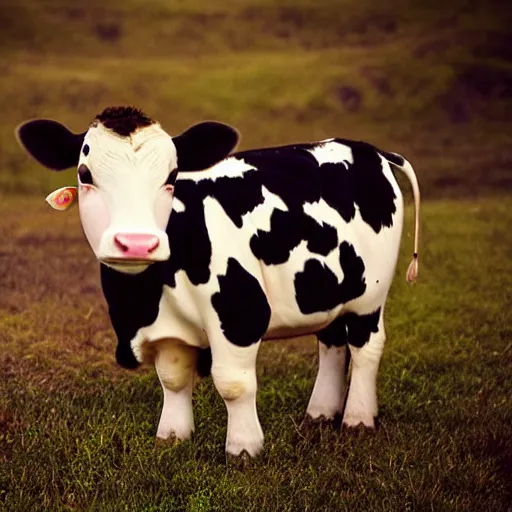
{"type": "Point", "coordinates": [127, 167]}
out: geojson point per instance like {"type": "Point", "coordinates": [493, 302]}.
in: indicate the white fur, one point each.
{"type": "Point", "coordinates": [179, 317]}
{"type": "Point", "coordinates": [329, 151]}
{"type": "Point", "coordinates": [327, 397]}
{"type": "Point", "coordinates": [234, 376]}
{"type": "Point", "coordinates": [175, 366]}
{"type": "Point", "coordinates": [230, 167]}
{"type": "Point", "coordinates": [361, 406]}
{"type": "Point", "coordinates": [128, 195]}
{"type": "Point", "coordinates": [260, 216]}
{"type": "Point", "coordinates": [178, 205]}
{"type": "Point", "coordinates": [177, 417]}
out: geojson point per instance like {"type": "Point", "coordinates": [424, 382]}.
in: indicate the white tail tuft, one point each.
{"type": "Point", "coordinates": [412, 271]}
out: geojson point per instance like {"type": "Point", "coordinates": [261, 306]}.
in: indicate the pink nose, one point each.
{"type": "Point", "coordinates": [135, 245]}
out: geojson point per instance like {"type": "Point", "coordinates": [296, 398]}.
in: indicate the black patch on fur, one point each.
{"type": "Point", "coordinates": [191, 249]}
{"type": "Point", "coordinates": [287, 230]}
{"type": "Point", "coordinates": [352, 265]}
{"type": "Point", "coordinates": [132, 303]}
{"type": "Point", "coordinates": [317, 288]}
{"type": "Point", "coordinates": [321, 238]}
{"type": "Point", "coordinates": [335, 334]}
{"type": "Point", "coordinates": [123, 120]}
{"type": "Point", "coordinates": [84, 175]}
{"type": "Point", "coordinates": [359, 327]}
{"type": "Point", "coordinates": [352, 328]}
{"type": "Point", "coordinates": [237, 196]}
{"type": "Point", "coordinates": [242, 306]}
{"type": "Point", "coordinates": [171, 179]}
{"type": "Point", "coordinates": [371, 190]}
{"type": "Point", "coordinates": [86, 149]}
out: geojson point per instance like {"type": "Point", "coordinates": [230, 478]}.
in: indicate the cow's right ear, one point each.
{"type": "Point", "coordinates": [204, 145]}
{"type": "Point", "coordinates": [51, 143]}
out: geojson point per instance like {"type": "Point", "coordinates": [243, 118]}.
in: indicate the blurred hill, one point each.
{"type": "Point", "coordinates": [429, 79]}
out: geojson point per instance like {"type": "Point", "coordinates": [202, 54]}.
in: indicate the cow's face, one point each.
{"type": "Point", "coordinates": [127, 166]}
{"type": "Point", "coordinates": [125, 195]}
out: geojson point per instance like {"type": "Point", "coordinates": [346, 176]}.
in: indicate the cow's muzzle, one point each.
{"type": "Point", "coordinates": [136, 246]}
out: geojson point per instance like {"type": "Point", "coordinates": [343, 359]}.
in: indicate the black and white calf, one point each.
{"type": "Point", "coordinates": [200, 248]}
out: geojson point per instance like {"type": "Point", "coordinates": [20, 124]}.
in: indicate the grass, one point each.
{"type": "Point", "coordinates": [77, 433]}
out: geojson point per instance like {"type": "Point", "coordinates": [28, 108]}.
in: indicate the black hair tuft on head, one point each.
{"type": "Point", "coordinates": [123, 120]}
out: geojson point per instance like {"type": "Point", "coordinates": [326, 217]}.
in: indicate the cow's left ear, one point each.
{"type": "Point", "coordinates": [62, 198]}
{"type": "Point", "coordinates": [51, 143]}
{"type": "Point", "coordinates": [204, 145]}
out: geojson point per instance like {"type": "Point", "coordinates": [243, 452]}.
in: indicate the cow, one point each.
{"type": "Point", "coordinates": [204, 253]}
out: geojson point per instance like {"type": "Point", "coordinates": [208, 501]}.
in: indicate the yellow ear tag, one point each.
{"type": "Point", "coordinates": [62, 198]}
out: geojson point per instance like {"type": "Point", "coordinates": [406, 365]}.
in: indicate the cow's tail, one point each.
{"type": "Point", "coordinates": [406, 168]}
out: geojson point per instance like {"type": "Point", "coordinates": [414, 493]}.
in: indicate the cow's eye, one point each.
{"type": "Point", "coordinates": [84, 175]}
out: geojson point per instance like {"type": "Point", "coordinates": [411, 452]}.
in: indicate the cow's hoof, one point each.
{"type": "Point", "coordinates": [359, 430]}
{"type": "Point", "coordinates": [308, 422]}
{"type": "Point", "coordinates": [171, 441]}
{"type": "Point", "coordinates": [239, 462]}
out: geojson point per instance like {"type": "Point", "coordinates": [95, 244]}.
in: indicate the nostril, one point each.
{"type": "Point", "coordinates": [120, 243]}
{"type": "Point", "coordinates": [136, 244]}
{"type": "Point", "coordinates": [153, 243]}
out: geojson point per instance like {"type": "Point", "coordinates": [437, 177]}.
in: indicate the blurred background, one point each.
{"type": "Point", "coordinates": [430, 79]}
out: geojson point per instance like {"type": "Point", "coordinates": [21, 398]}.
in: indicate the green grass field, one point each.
{"type": "Point", "coordinates": [77, 433]}
{"type": "Point", "coordinates": [430, 79]}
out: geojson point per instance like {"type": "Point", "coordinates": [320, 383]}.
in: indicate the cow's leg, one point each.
{"type": "Point", "coordinates": [175, 364]}
{"type": "Point", "coordinates": [328, 392]}
{"type": "Point", "coordinates": [366, 337]}
{"type": "Point", "coordinates": [234, 375]}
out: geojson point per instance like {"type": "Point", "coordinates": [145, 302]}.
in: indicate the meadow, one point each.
{"type": "Point", "coordinates": [77, 432]}
{"type": "Point", "coordinates": [432, 80]}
